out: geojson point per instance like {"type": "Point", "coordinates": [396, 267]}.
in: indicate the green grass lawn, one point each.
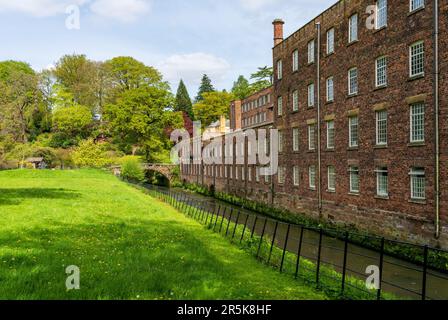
{"type": "Point", "coordinates": [126, 244]}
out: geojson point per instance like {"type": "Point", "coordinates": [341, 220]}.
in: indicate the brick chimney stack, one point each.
{"type": "Point", "coordinates": [278, 31]}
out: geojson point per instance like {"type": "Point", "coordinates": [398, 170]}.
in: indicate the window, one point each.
{"type": "Point", "coordinates": [330, 134]}
{"type": "Point", "coordinates": [353, 132]}
{"type": "Point", "coordinates": [382, 182]}
{"type": "Point", "coordinates": [295, 101]}
{"type": "Point", "coordinates": [280, 141]}
{"type": "Point", "coordinates": [381, 14]}
{"type": "Point", "coordinates": [312, 177]}
{"type": "Point", "coordinates": [311, 95]}
{"type": "Point", "coordinates": [353, 81]}
{"type": "Point", "coordinates": [353, 28]}
{"type": "Point", "coordinates": [243, 174]}
{"type": "Point", "coordinates": [296, 176]}
{"type": "Point", "coordinates": [330, 41]}
{"type": "Point", "coordinates": [249, 174]}
{"type": "Point", "coordinates": [281, 175]}
{"type": "Point", "coordinates": [417, 123]}
{"type": "Point", "coordinates": [417, 59]}
{"type": "Point", "coordinates": [257, 174]}
{"type": "Point", "coordinates": [417, 4]}
{"type": "Point", "coordinates": [381, 128]}
{"type": "Point", "coordinates": [311, 137]}
{"type": "Point", "coordinates": [279, 69]}
{"type": "Point", "coordinates": [295, 139]}
{"type": "Point", "coordinates": [331, 179]}
{"type": "Point", "coordinates": [237, 173]}
{"type": "Point", "coordinates": [354, 179]}
{"type": "Point", "coordinates": [311, 53]}
{"type": "Point", "coordinates": [418, 184]}
{"type": "Point", "coordinates": [330, 89]}
{"type": "Point", "coordinates": [381, 72]}
{"type": "Point", "coordinates": [280, 106]}
{"type": "Point", "coordinates": [295, 60]}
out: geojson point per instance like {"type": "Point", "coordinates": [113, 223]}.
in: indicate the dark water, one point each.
{"type": "Point", "coordinates": [400, 277]}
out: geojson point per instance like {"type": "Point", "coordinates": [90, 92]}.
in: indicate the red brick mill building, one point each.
{"type": "Point", "coordinates": [362, 112]}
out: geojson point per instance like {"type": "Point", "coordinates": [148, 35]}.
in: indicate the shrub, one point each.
{"type": "Point", "coordinates": [90, 155]}
{"type": "Point", "coordinates": [132, 169]}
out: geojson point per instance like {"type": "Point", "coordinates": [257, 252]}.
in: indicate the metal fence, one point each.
{"type": "Point", "coordinates": [315, 255]}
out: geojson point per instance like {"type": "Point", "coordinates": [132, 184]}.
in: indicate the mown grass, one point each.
{"type": "Point", "coordinates": [127, 245]}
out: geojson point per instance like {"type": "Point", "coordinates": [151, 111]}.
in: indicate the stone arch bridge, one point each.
{"type": "Point", "coordinates": [165, 169]}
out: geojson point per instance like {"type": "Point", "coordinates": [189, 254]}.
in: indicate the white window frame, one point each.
{"type": "Point", "coordinates": [382, 117]}
{"type": "Point", "coordinates": [281, 175]}
{"type": "Point", "coordinates": [413, 56]}
{"type": "Point", "coordinates": [311, 95]}
{"type": "Point", "coordinates": [381, 72]}
{"type": "Point", "coordinates": [420, 136]}
{"type": "Point", "coordinates": [382, 181]}
{"type": "Point", "coordinates": [353, 81]}
{"type": "Point", "coordinates": [312, 177]}
{"type": "Point", "coordinates": [330, 41]}
{"type": "Point", "coordinates": [330, 89]}
{"type": "Point", "coordinates": [295, 60]}
{"type": "Point", "coordinates": [331, 178]}
{"type": "Point", "coordinates": [295, 100]}
{"type": "Point", "coordinates": [330, 135]}
{"type": "Point", "coordinates": [353, 143]}
{"type": "Point", "coordinates": [354, 172]}
{"type": "Point", "coordinates": [418, 175]}
{"type": "Point", "coordinates": [311, 52]}
{"type": "Point", "coordinates": [353, 28]}
{"type": "Point", "coordinates": [296, 176]}
{"type": "Point", "coordinates": [279, 69]}
{"type": "Point", "coordinates": [381, 13]}
{"type": "Point", "coordinates": [312, 137]}
{"type": "Point", "coordinates": [280, 141]}
{"type": "Point", "coordinates": [295, 139]}
{"type": "Point", "coordinates": [417, 7]}
{"type": "Point", "coordinates": [280, 106]}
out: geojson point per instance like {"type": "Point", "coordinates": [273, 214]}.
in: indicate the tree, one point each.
{"type": "Point", "coordinates": [205, 87]}
{"type": "Point", "coordinates": [79, 76]}
{"type": "Point", "coordinates": [183, 101]}
{"type": "Point", "coordinates": [241, 88]}
{"type": "Point", "coordinates": [90, 155]}
{"type": "Point", "coordinates": [139, 117]}
{"type": "Point", "coordinates": [212, 107]}
{"type": "Point", "coordinates": [73, 121]}
{"type": "Point", "coordinates": [263, 78]}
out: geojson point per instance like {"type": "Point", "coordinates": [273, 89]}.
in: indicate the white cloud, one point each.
{"type": "Point", "coordinates": [256, 4]}
{"type": "Point", "coordinates": [121, 10]}
{"type": "Point", "coordinates": [39, 8]}
{"type": "Point", "coordinates": [191, 67]}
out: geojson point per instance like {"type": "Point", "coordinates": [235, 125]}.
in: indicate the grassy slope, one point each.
{"type": "Point", "coordinates": [127, 245]}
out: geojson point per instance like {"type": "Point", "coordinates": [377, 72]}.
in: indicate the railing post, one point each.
{"type": "Point", "coordinates": [285, 247]}
{"type": "Point", "coordinates": [217, 217]}
{"type": "Point", "coordinates": [262, 236]}
{"type": "Point", "coordinates": [344, 268]}
{"type": "Point", "coordinates": [383, 243]}
{"type": "Point", "coordinates": [206, 216]}
{"type": "Point", "coordinates": [299, 253]}
{"type": "Point", "coordinates": [236, 224]}
{"type": "Point", "coordinates": [245, 227]}
{"type": "Point", "coordinates": [230, 220]}
{"type": "Point", "coordinates": [273, 241]}
{"type": "Point", "coordinates": [253, 228]}
{"type": "Point", "coordinates": [222, 219]}
{"type": "Point", "coordinates": [425, 271]}
{"type": "Point", "coordinates": [319, 256]}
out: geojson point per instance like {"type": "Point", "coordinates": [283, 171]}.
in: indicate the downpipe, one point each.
{"type": "Point", "coordinates": [319, 155]}
{"type": "Point", "coordinates": [436, 118]}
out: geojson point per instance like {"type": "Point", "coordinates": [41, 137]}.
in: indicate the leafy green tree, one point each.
{"type": "Point", "coordinates": [90, 155]}
{"type": "Point", "coordinates": [73, 122]}
{"type": "Point", "coordinates": [212, 107]}
{"type": "Point", "coordinates": [241, 88]}
{"type": "Point", "coordinates": [139, 118]}
{"type": "Point", "coordinates": [132, 169]}
{"type": "Point", "coordinates": [263, 78]}
{"type": "Point", "coordinates": [205, 87]}
{"type": "Point", "coordinates": [79, 76]}
{"type": "Point", "coordinates": [183, 101]}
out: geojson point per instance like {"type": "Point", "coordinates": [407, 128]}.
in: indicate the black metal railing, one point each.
{"type": "Point", "coordinates": [313, 255]}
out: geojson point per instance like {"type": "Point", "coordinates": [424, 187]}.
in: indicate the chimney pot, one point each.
{"type": "Point", "coordinates": [278, 31]}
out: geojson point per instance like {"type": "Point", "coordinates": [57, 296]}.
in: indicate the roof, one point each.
{"type": "Point", "coordinates": [36, 159]}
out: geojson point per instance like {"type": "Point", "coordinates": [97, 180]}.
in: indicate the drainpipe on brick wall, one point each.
{"type": "Point", "coordinates": [319, 155]}
{"type": "Point", "coordinates": [436, 110]}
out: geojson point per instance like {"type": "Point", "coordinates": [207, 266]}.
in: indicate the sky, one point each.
{"type": "Point", "coordinates": [182, 38]}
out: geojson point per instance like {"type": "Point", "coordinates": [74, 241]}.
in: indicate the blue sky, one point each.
{"type": "Point", "coordinates": [182, 38]}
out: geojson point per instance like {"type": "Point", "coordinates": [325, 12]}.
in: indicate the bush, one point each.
{"type": "Point", "coordinates": [90, 155]}
{"type": "Point", "coordinates": [132, 169]}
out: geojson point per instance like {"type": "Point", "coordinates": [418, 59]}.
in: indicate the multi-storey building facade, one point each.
{"type": "Point", "coordinates": [360, 102]}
